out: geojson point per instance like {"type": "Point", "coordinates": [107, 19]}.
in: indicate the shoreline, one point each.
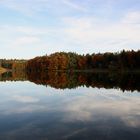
{"type": "Point", "coordinates": [3, 70]}
{"type": "Point", "coordinates": [93, 71]}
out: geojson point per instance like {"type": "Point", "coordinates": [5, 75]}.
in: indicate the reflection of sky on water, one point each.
{"type": "Point", "coordinates": [36, 111]}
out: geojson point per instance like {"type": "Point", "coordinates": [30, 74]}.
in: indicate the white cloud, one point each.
{"type": "Point", "coordinates": [28, 7]}
{"type": "Point", "coordinates": [82, 34]}
{"type": "Point", "coordinates": [30, 30]}
{"type": "Point", "coordinates": [73, 5]}
{"type": "Point", "coordinates": [27, 40]}
{"type": "Point", "coordinates": [132, 18]}
{"type": "Point", "coordinates": [93, 33]}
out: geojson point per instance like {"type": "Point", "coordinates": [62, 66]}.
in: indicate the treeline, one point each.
{"type": "Point", "coordinates": [125, 60]}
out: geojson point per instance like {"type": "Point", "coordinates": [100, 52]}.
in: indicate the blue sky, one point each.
{"type": "Point", "coordinates": [30, 28]}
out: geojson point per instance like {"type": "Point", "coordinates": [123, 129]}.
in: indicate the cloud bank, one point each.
{"type": "Point", "coordinates": [45, 26]}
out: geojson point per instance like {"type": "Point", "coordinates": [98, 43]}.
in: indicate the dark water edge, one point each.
{"type": "Point", "coordinates": [124, 80]}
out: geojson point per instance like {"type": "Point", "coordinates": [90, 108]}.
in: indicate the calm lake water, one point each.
{"type": "Point", "coordinates": [36, 112]}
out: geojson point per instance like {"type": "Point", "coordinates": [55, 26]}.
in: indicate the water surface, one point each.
{"type": "Point", "coordinates": [38, 112]}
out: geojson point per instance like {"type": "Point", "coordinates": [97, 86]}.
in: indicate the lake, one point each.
{"type": "Point", "coordinates": [60, 106]}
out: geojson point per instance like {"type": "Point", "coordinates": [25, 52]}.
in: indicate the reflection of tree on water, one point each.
{"type": "Point", "coordinates": [13, 76]}
{"type": "Point", "coordinates": [63, 80]}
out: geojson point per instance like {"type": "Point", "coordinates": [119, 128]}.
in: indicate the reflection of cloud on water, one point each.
{"type": "Point", "coordinates": [73, 133]}
{"type": "Point", "coordinates": [25, 99]}
{"type": "Point", "coordinates": [133, 121]}
{"type": "Point", "coordinates": [88, 108]}
{"type": "Point", "coordinates": [25, 109]}
{"type": "Point", "coordinates": [98, 112]}
{"type": "Point", "coordinates": [98, 105]}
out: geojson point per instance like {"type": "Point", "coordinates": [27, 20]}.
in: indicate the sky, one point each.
{"type": "Point", "coordinates": [30, 28]}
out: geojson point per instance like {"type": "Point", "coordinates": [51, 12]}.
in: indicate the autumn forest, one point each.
{"type": "Point", "coordinates": [70, 70]}
{"type": "Point", "coordinates": [125, 60]}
